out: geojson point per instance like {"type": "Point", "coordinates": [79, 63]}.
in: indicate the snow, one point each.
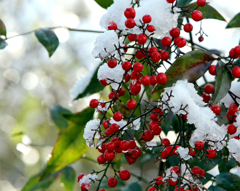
{"type": "Point", "coordinates": [115, 74]}
{"type": "Point", "coordinates": [234, 148]}
{"type": "Point", "coordinates": [103, 108]}
{"type": "Point", "coordinates": [88, 179]}
{"type": "Point", "coordinates": [121, 123]}
{"type": "Point", "coordinates": [89, 132]}
{"type": "Point", "coordinates": [136, 124]}
{"type": "Point", "coordinates": [83, 82]}
{"type": "Point", "coordinates": [183, 152]}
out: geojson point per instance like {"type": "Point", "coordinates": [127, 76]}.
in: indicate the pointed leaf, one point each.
{"type": "Point", "coordinates": [208, 12]}
{"type": "Point", "coordinates": [48, 39]}
{"type": "Point", "coordinates": [235, 22]}
{"type": "Point", "coordinates": [93, 87]}
{"type": "Point", "coordinates": [222, 83]}
{"type": "Point", "coordinates": [191, 66]}
{"type": "Point", "coordinates": [226, 166]}
{"type": "Point", "coordinates": [56, 112]}
{"type": "Point", "coordinates": [3, 43]}
{"type": "Point", "coordinates": [104, 3]}
{"type": "Point", "coordinates": [2, 28]}
{"type": "Point", "coordinates": [68, 178]}
{"type": "Point", "coordinates": [228, 181]}
{"type": "Point", "coordinates": [182, 3]}
{"type": "Point", "coordinates": [71, 145]}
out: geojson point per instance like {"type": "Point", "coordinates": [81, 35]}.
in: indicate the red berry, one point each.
{"type": "Point", "coordinates": [137, 67]}
{"type": "Point", "coordinates": [136, 88]}
{"type": "Point", "coordinates": [170, 1]}
{"type": "Point", "coordinates": [116, 142]}
{"type": "Point", "coordinates": [130, 159]}
{"type": "Point", "coordinates": [199, 145]}
{"type": "Point", "coordinates": [159, 180]}
{"type": "Point", "coordinates": [110, 146]}
{"type": "Point", "coordinates": [212, 154]}
{"type": "Point", "coordinates": [216, 109]}
{"type": "Point", "coordinates": [85, 187]}
{"type": "Point", "coordinates": [121, 91]}
{"type": "Point", "coordinates": [236, 72]}
{"type": "Point", "coordinates": [161, 78]}
{"type": "Point", "coordinates": [157, 131]}
{"type": "Point", "coordinates": [103, 82]}
{"type": "Point", "coordinates": [237, 50]}
{"type": "Point", "coordinates": [156, 56]}
{"type": "Point", "coordinates": [114, 128]}
{"type": "Point", "coordinates": [196, 170]}
{"type": "Point", "coordinates": [101, 159]}
{"type": "Point", "coordinates": [192, 152]}
{"type": "Point", "coordinates": [109, 156]}
{"type": "Point", "coordinates": [232, 53]}
{"type": "Point", "coordinates": [135, 75]}
{"type": "Point", "coordinates": [175, 32]}
{"type": "Point", "coordinates": [166, 41]}
{"type": "Point", "coordinates": [112, 26]}
{"type": "Point", "coordinates": [106, 124]}
{"type": "Point", "coordinates": [201, 3]}
{"type": "Point", "coordinates": [153, 80]}
{"type": "Point", "coordinates": [200, 39]}
{"type": "Point", "coordinates": [140, 55]}
{"type": "Point", "coordinates": [188, 27]}
{"type": "Point", "coordinates": [150, 28]}
{"type": "Point", "coordinates": [166, 141]}
{"type": "Point", "coordinates": [208, 88]}
{"type": "Point", "coordinates": [164, 55]}
{"type": "Point", "coordinates": [130, 13]}
{"type": "Point", "coordinates": [197, 15]}
{"type": "Point", "coordinates": [172, 183]}
{"type": "Point", "coordinates": [131, 104]}
{"type": "Point", "coordinates": [147, 19]}
{"type": "Point", "coordinates": [126, 66]}
{"type": "Point", "coordinates": [181, 42]}
{"type": "Point", "coordinates": [142, 39]}
{"type": "Point", "coordinates": [132, 144]}
{"type": "Point", "coordinates": [112, 94]}
{"type": "Point", "coordinates": [124, 174]}
{"type": "Point", "coordinates": [153, 125]}
{"type": "Point", "coordinates": [132, 37]}
{"type": "Point", "coordinates": [152, 50]}
{"type": "Point", "coordinates": [117, 116]}
{"type": "Point", "coordinates": [93, 103]}
{"type": "Point", "coordinates": [206, 97]}
{"type": "Point", "coordinates": [147, 135]}
{"type": "Point", "coordinates": [112, 63]}
{"type": "Point", "coordinates": [212, 70]}
{"type": "Point", "coordinates": [145, 80]}
{"type": "Point", "coordinates": [232, 129]}
{"type": "Point", "coordinates": [124, 145]}
{"type": "Point", "coordinates": [80, 176]}
{"type": "Point", "coordinates": [108, 132]}
{"type": "Point", "coordinates": [202, 174]}
{"type": "Point", "coordinates": [112, 182]}
{"type": "Point", "coordinates": [102, 190]}
{"type": "Point", "coordinates": [152, 188]}
{"type": "Point", "coordinates": [130, 23]}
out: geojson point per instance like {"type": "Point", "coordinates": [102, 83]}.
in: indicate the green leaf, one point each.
{"type": "Point", "coordinates": [216, 188]}
{"type": "Point", "coordinates": [71, 145]}
{"type": "Point", "coordinates": [191, 66]}
{"type": "Point", "coordinates": [208, 12]}
{"type": "Point", "coordinates": [68, 178]}
{"type": "Point", "coordinates": [56, 112]}
{"type": "Point", "coordinates": [104, 3]}
{"type": "Point", "coordinates": [135, 186]}
{"type": "Point", "coordinates": [183, 3]}
{"type": "Point", "coordinates": [3, 43]}
{"type": "Point", "coordinates": [235, 22]}
{"type": "Point", "coordinates": [93, 87]}
{"type": "Point", "coordinates": [2, 28]}
{"type": "Point", "coordinates": [228, 181]}
{"type": "Point", "coordinates": [48, 39]}
{"type": "Point", "coordinates": [226, 166]}
{"type": "Point", "coordinates": [222, 83]}
{"type": "Point", "coordinates": [34, 182]}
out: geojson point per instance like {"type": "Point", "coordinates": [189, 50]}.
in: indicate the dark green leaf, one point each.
{"type": "Point", "coordinates": [93, 87]}
{"type": "Point", "coordinates": [2, 28]}
{"type": "Point", "coordinates": [226, 166]}
{"type": "Point", "coordinates": [208, 178]}
{"type": "Point", "coordinates": [71, 145]}
{"type": "Point", "coordinates": [104, 3]}
{"type": "Point", "coordinates": [18, 134]}
{"type": "Point", "coordinates": [183, 3]}
{"type": "Point", "coordinates": [228, 181]}
{"type": "Point", "coordinates": [48, 39]}
{"type": "Point", "coordinates": [235, 22]}
{"type": "Point", "coordinates": [208, 12]}
{"type": "Point", "coordinates": [56, 112]}
{"type": "Point", "coordinates": [3, 43]}
{"type": "Point", "coordinates": [68, 178]}
{"type": "Point", "coordinates": [191, 66]}
{"type": "Point", "coordinates": [222, 83]}
{"type": "Point", "coordinates": [135, 186]}
{"type": "Point", "coordinates": [216, 188]}
{"type": "Point", "coordinates": [34, 182]}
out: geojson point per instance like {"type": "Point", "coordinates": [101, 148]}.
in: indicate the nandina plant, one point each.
{"type": "Point", "coordinates": [152, 88]}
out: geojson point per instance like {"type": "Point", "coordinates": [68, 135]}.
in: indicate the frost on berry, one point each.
{"type": "Point", "coordinates": [89, 131]}
{"type": "Point", "coordinates": [183, 152]}
{"type": "Point", "coordinates": [234, 148]}
{"type": "Point", "coordinates": [105, 45]}
{"type": "Point", "coordinates": [111, 74]}
{"type": "Point", "coordinates": [87, 179]}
